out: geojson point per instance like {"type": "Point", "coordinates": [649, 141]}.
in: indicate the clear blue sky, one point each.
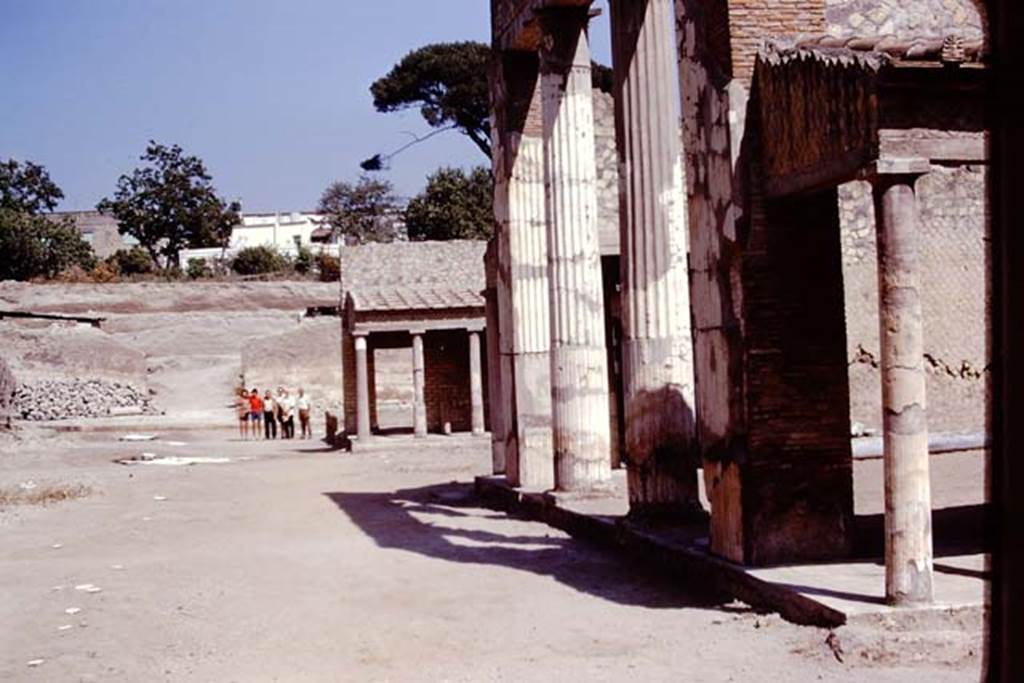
{"type": "Point", "coordinates": [272, 94]}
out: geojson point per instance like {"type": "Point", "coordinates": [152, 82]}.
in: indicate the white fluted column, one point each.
{"type": "Point", "coordinates": [362, 390]}
{"type": "Point", "coordinates": [579, 379]}
{"type": "Point", "coordinates": [657, 344]}
{"type": "Point", "coordinates": [476, 387]}
{"type": "Point", "coordinates": [521, 240]}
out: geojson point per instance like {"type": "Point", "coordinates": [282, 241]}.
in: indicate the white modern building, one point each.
{"type": "Point", "coordinates": [286, 231]}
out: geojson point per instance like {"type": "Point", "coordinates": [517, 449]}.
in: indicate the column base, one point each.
{"type": "Point", "coordinates": [601, 489]}
{"type": "Point", "coordinates": [668, 514]}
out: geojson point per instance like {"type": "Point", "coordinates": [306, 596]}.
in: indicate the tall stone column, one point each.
{"type": "Point", "coordinates": [908, 536]}
{"type": "Point", "coordinates": [419, 402]}
{"type": "Point", "coordinates": [579, 376]}
{"type": "Point", "coordinates": [362, 390]}
{"type": "Point", "coordinates": [657, 344]}
{"type": "Point", "coordinates": [476, 386]}
{"type": "Point", "coordinates": [522, 286]}
{"type": "Point", "coordinates": [496, 411]}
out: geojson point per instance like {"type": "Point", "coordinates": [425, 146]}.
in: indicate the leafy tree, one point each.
{"type": "Point", "coordinates": [360, 212]}
{"type": "Point", "coordinates": [169, 204]}
{"type": "Point", "coordinates": [259, 260]}
{"type": "Point", "coordinates": [39, 246]}
{"type": "Point", "coordinates": [27, 188]}
{"type": "Point", "coordinates": [448, 83]}
{"type": "Point", "coordinates": [454, 205]}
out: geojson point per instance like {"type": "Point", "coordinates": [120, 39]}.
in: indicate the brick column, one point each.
{"type": "Point", "coordinates": [908, 537]}
{"type": "Point", "coordinates": [419, 402]}
{"type": "Point", "coordinates": [362, 391]}
{"type": "Point", "coordinates": [476, 386]}
{"type": "Point", "coordinates": [657, 346]}
{"type": "Point", "coordinates": [579, 376]}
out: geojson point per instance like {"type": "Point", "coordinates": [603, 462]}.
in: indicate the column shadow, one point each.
{"type": "Point", "coordinates": [447, 522]}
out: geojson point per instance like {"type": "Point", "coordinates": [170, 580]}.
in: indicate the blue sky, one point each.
{"type": "Point", "coordinates": [272, 94]}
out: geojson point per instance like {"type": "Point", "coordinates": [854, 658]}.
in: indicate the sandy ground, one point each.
{"type": "Point", "coordinates": [294, 563]}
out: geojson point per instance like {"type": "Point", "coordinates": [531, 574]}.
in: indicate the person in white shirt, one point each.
{"type": "Point", "coordinates": [302, 405]}
{"type": "Point", "coordinates": [287, 406]}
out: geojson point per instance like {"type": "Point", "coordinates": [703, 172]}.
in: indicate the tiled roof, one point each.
{"type": "Point", "coordinates": [948, 49]}
{"type": "Point", "coordinates": [407, 298]}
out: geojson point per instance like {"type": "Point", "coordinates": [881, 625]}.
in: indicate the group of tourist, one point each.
{"type": "Point", "coordinates": [272, 413]}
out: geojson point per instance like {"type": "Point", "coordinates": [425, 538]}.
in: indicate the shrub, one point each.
{"type": "Point", "coordinates": [304, 261]}
{"type": "Point", "coordinates": [198, 268]}
{"type": "Point", "coordinates": [104, 272]}
{"type": "Point", "coordinates": [258, 261]}
{"type": "Point", "coordinates": [134, 261]}
{"type": "Point", "coordinates": [329, 267]}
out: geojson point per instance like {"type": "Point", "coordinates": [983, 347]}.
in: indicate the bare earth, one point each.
{"type": "Point", "coordinates": [299, 564]}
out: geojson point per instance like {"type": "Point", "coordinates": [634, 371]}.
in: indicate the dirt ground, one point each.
{"type": "Point", "coordinates": [295, 563]}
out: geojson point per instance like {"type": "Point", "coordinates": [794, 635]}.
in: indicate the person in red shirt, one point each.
{"type": "Point", "coordinates": [255, 411]}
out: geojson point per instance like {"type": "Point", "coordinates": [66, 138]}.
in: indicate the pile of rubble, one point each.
{"type": "Point", "coordinates": [58, 399]}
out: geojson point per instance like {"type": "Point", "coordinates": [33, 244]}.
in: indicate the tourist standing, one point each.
{"type": "Point", "coordinates": [287, 404]}
{"type": "Point", "coordinates": [302, 405]}
{"type": "Point", "coordinates": [279, 410]}
{"type": "Point", "coordinates": [269, 416]}
{"type": "Point", "coordinates": [255, 412]}
{"type": "Point", "coordinates": [242, 408]}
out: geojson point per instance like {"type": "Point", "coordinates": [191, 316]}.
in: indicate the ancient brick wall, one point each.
{"type": "Point", "coordinates": [954, 299]}
{"type": "Point", "coordinates": [904, 18]}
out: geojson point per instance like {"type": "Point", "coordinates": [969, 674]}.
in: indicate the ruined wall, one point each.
{"type": "Point", "coordinates": [7, 385]}
{"type": "Point", "coordinates": [607, 172]}
{"type": "Point", "coordinates": [903, 18]}
{"type": "Point", "coordinates": [954, 299]}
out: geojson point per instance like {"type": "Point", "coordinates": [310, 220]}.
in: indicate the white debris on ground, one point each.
{"type": "Point", "coordinates": [139, 437]}
{"type": "Point", "coordinates": [170, 460]}
{"type": "Point", "coordinates": [58, 399]}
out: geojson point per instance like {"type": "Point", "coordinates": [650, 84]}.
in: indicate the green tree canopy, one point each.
{"type": "Point", "coordinates": [27, 187]}
{"type": "Point", "coordinates": [360, 212]}
{"type": "Point", "coordinates": [39, 246]}
{"type": "Point", "coordinates": [32, 245]}
{"type": "Point", "coordinates": [454, 205]}
{"type": "Point", "coordinates": [169, 204]}
{"type": "Point", "coordinates": [448, 83]}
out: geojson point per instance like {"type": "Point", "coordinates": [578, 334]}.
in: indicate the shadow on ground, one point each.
{"type": "Point", "coordinates": [447, 522]}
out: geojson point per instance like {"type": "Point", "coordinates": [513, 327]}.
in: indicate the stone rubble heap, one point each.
{"type": "Point", "coordinates": [59, 399]}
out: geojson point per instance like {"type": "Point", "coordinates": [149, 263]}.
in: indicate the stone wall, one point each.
{"type": "Point", "coordinates": [7, 386]}
{"type": "Point", "coordinates": [904, 18]}
{"type": "Point", "coordinates": [607, 172]}
{"type": "Point", "coordinates": [954, 299]}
